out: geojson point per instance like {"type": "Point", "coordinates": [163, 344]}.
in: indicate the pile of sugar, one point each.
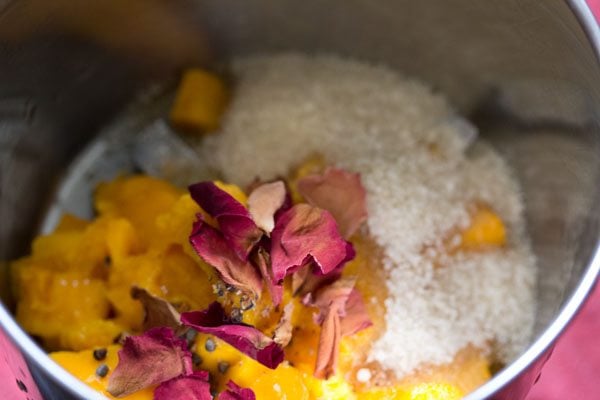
{"type": "Point", "coordinates": [421, 171]}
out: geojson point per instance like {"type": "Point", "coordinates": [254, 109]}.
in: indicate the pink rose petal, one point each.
{"type": "Point", "coordinates": [234, 392]}
{"type": "Point", "coordinates": [341, 193]}
{"type": "Point", "coordinates": [189, 387]}
{"type": "Point", "coordinates": [149, 359]}
{"type": "Point", "coordinates": [342, 312]}
{"type": "Point", "coordinates": [235, 222]}
{"type": "Point", "coordinates": [246, 339]}
{"type": "Point", "coordinates": [309, 278]}
{"type": "Point", "coordinates": [212, 247]}
{"type": "Point", "coordinates": [356, 317]}
{"type": "Point", "coordinates": [329, 344]}
{"type": "Point", "coordinates": [336, 294]}
{"type": "Point", "coordinates": [264, 202]}
{"type": "Point", "coordinates": [305, 233]}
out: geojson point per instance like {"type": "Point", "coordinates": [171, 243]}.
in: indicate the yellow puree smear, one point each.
{"type": "Point", "coordinates": [73, 293]}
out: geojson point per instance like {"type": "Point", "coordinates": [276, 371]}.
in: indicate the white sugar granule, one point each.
{"type": "Point", "coordinates": [421, 173]}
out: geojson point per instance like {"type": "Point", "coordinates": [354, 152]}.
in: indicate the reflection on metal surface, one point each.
{"type": "Point", "coordinates": [162, 30]}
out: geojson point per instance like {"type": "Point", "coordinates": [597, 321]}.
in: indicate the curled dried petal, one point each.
{"type": "Point", "coordinates": [283, 332]}
{"type": "Point", "coordinates": [329, 344]}
{"type": "Point", "coordinates": [235, 222]}
{"type": "Point", "coordinates": [264, 202]}
{"type": "Point", "coordinates": [149, 359]}
{"type": "Point", "coordinates": [300, 280]}
{"type": "Point", "coordinates": [309, 279]}
{"type": "Point", "coordinates": [334, 295]}
{"type": "Point", "coordinates": [189, 387]}
{"type": "Point", "coordinates": [305, 233]}
{"type": "Point", "coordinates": [342, 312]}
{"type": "Point", "coordinates": [158, 312]}
{"type": "Point", "coordinates": [341, 193]}
{"type": "Point", "coordinates": [356, 317]}
{"type": "Point", "coordinates": [246, 339]}
{"type": "Point", "coordinates": [212, 247]}
{"type": "Point", "coordinates": [263, 261]}
{"type": "Point", "coordinates": [235, 392]}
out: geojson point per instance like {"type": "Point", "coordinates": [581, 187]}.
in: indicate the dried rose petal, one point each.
{"type": "Point", "coordinates": [342, 312]}
{"type": "Point", "coordinates": [246, 339]}
{"type": "Point", "coordinates": [263, 261]}
{"type": "Point", "coordinates": [210, 244]}
{"type": "Point", "coordinates": [189, 387]}
{"type": "Point", "coordinates": [303, 233]}
{"type": "Point", "coordinates": [158, 312]}
{"type": "Point", "coordinates": [300, 280]}
{"type": "Point", "coordinates": [341, 193]}
{"type": "Point", "coordinates": [309, 279]}
{"type": "Point", "coordinates": [335, 295]}
{"type": "Point", "coordinates": [145, 360]}
{"type": "Point", "coordinates": [356, 317]}
{"type": "Point", "coordinates": [235, 222]}
{"type": "Point", "coordinates": [234, 392]}
{"type": "Point", "coordinates": [264, 202]}
{"type": "Point", "coordinates": [283, 332]}
{"type": "Point", "coordinates": [329, 344]}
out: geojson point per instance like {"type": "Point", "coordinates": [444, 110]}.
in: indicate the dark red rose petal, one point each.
{"type": "Point", "coordinates": [212, 247]}
{"type": "Point", "coordinates": [304, 233]}
{"type": "Point", "coordinates": [190, 387]}
{"type": "Point", "coordinates": [234, 392]}
{"type": "Point", "coordinates": [246, 339]}
{"type": "Point", "coordinates": [235, 222]}
{"type": "Point", "coordinates": [149, 359]}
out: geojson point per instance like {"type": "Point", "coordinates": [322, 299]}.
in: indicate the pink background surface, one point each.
{"type": "Point", "coordinates": [15, 381]}
{"type": "Point", "coordinates": [573, 371]}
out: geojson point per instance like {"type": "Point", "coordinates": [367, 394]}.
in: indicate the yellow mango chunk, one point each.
{"type": "Point", "coordinates": [334, 388]}
{"type": "Point", "coordinates": [200, 102]}
{"type": "Point", "coordinates": [284, 382]}
{"type": "Point", "coordinates": [87, 251]}
{"type": "Point", "coordinates": [139, 199]}
{"type": "Point", "coordinates": [175, 225]}
{"type": "Point", "coordinates": [435, 391]}
{"type": "Point", "coordinates": [83, 366]}
{"type": "Point", "coordinates": [486, 230]}
{"type": "Point", "coordinates": [302, 351]}
{"type": "Point", "coordinates": [97, 332]}
{"type": "Point", "coordinates": [70, 222]}
{"type": "Point", "coordinates": [51, 304]}
{"type": "Point", "coordinates": [422, 391]}
{"type": "Point", "coordinates": [121, 239]}
{"type": "Point", "coordinates": [390, 393]}
{"type": "Point", "coordinates": [180, 280]}
{"type": "Point", "coordinates": [141, 271]}
{"type": "Point", "coordinates": [215, 352]}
